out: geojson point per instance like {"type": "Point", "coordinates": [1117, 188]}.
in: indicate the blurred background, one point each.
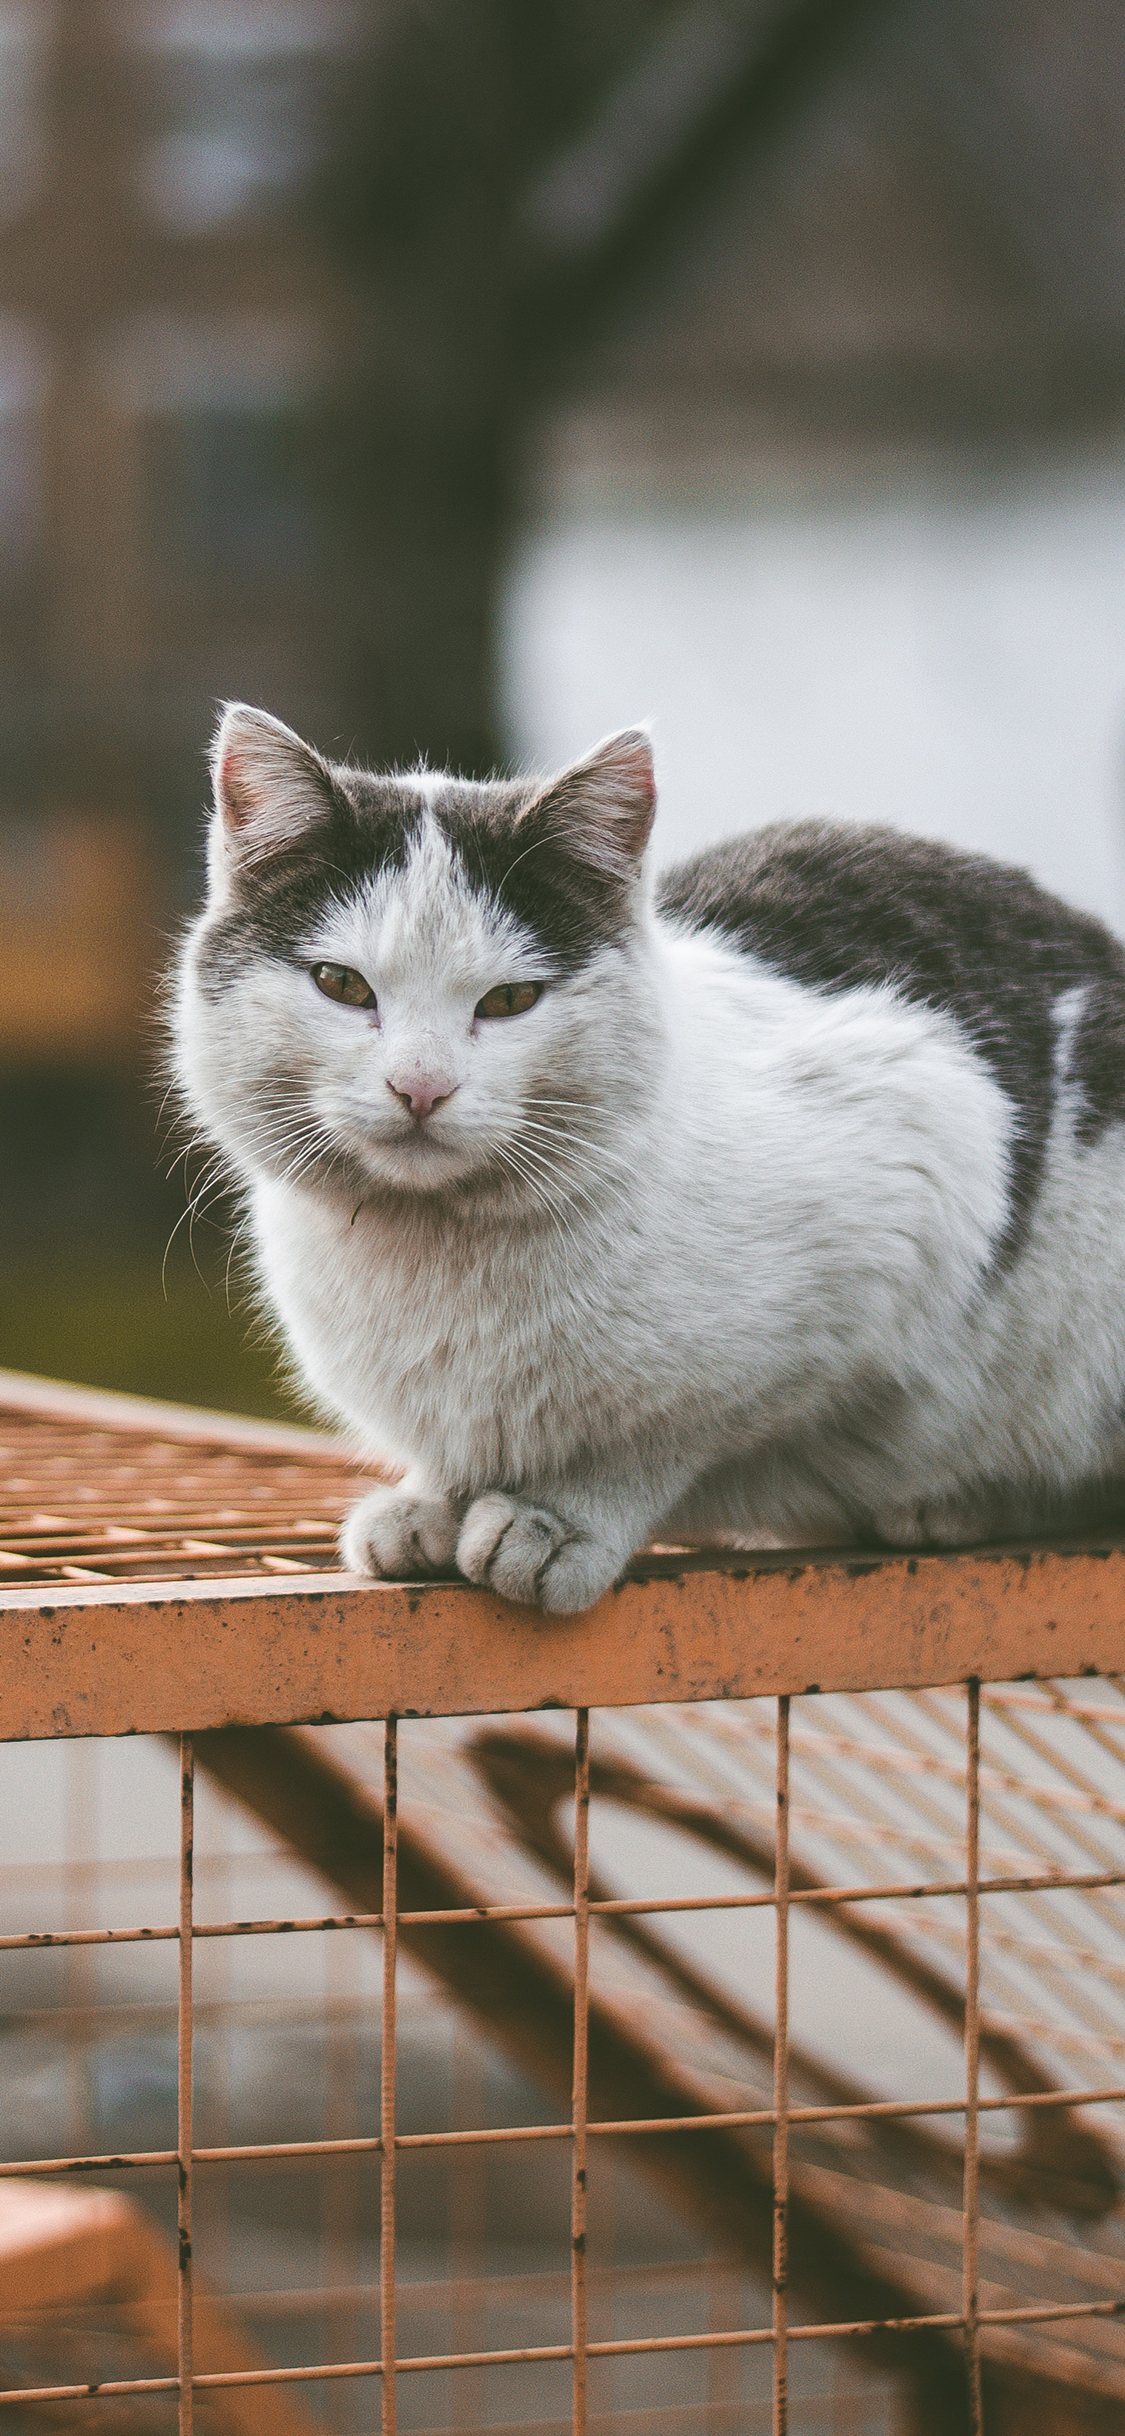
{"type": "Point", "coordinates": [464, 378]}
{"type": "Point", "coordinates": [467, 378]}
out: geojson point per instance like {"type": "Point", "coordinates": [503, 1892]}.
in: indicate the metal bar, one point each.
{"type": "Point", "coordinates": [184, 2329]}
{"type": "Point", "coordinates": [468, 2253]}
{"type": "Point", "coordinates": [139, 1658]}
{"type": "Point", "coordinates": [887, 1760]}
{"type": "Point", "coordinates": [389, 2061]}
{"type": "Point", "coordinates": [970, 2266]}
{"type": "Point", "coordinates": [578, 2297]}
{"type": "Point", "coordinates": [1004, 1983]}
{"type": "Point", "coordinates": [80, 1972]}
{"type": "Point", "coordinates": [946, 2320]}
{"type": "Point", "coordinates": [875, 2110]}
{"type": "Point", "coordinates": [1030, 1838]}
{"type": "Point", "coordinates": [615, 1907]}
{"type": "Point", "coordinates": [223, 2254]}
{"type": "Point", "coordinates": [1058, 1961]}
{"type": "Point", "coordinates": [305, 2300]}
{"type": "Point", "coordinates": [1055, 1704]}
{"type": "Point", "coordinates": [1000, 2024]}
{"type": "Point", "coordinates": [101, 1408]}
{"type": "Point", "coordinates": [1040, 2027]}
{"type": "Point", "coordinates": [781, 2084]}
{"type": "Point", "coordinates": [1007, 2246]}
{"type": "Point", "coordinates": [1085, 1793]}
{"type": "Point", "coordinates": [340, 2186]}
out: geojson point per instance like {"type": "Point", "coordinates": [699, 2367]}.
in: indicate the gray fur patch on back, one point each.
{"type": "Point", "coordinates": [838, 908]}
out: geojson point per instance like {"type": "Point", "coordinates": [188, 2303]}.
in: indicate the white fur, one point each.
{"type": "Point", "coordinates": [688, 1249]}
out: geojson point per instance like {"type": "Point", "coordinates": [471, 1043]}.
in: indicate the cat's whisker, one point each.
{"type": "Point", "coordinates": [289, 1138]}
{"type": "Point", "coordinates": [559, 1131]}
{"type": "Point", "coordinates": [576, 1195]}
{"type": "Point", "coordinates": [184, 1153]}
{"type": "Point", "coordinates": [557, 1217]}
{"type": "Point", "coordinates": [236, 1235]}
{"type": "Point", "coordinates": [577, 1103]}
{"type": "Point", "coordinates": [549, 1188]}
{"type": "Point", "coordinates": [167, 1249]}
{"type": "Point", "coordinates": [524, 1161]}
{"type": "Point", "coordinates": [595, 1185]}
{"type": "Point", "coordinates": [194, 1205]}
{"type": "Point", "coordinates": [304, 1156]}
{"type": "Point", "coordinates": [581, 1114]}
{"type": "Point", "coordinates": [596, 1122]}
{"type": "Point", "coordinates": [570, 1144]}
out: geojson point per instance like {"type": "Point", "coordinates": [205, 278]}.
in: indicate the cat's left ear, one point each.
{"type": "Point", "coordinates": [270, 790]}
{"type": "Point", "coordinates": [601, 809]}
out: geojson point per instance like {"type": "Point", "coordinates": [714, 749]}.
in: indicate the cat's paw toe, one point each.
{"type": "Point", "coordinates": [397, 1535]}
{"type": "Point", "coordinates": [529, 1554]}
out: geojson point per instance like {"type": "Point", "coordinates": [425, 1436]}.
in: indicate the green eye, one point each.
{"type": "Point", "coordinates": [509, 998]}
{"type": "Point", "coordinates": [339, 982]}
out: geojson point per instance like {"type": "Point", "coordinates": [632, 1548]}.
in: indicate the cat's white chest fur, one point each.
{"type": "Point", "coordinates": [433, 1347]}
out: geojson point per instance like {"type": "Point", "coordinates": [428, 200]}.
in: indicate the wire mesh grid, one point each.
{"type": "Point", "coordinates": [82, 1503]}
{"type": "Point", "coordinates": [832, 1988]}
{"type": "Point", "coordinates": [1021, 2266]}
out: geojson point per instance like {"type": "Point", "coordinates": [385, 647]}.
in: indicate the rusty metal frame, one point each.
{"type": "Point", "coordinates": [127, 1658]}
{"type": "Point", "coordinates": [192, 1658]}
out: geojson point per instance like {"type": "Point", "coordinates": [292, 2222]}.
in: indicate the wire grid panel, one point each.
{"type": "Point", "coordinates": [835, 1980]}
{"type": "Point", "coordinates": [82, 1500]}
{"type": "Point", "coordinates": [959, 1853]}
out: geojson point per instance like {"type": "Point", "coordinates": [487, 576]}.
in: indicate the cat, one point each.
{"type": "Point", "coordinates": [782, 1202]}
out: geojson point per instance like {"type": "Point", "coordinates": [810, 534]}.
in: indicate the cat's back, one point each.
{"type": "Point", "coordinates": [837, 907]}
{"type": "Point", "coordinates": [1038, 988]}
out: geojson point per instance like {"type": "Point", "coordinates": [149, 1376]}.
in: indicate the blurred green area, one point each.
{"type": "Point", "coordinates": [116, 1324]}
{"type": "Point", "coordinates": [101, 1279]}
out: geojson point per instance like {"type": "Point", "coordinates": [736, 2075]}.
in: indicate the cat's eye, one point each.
{"type": "Point", "coordinates": [348, 988]}
{"type": "Point", "coordinates": [509, 998]}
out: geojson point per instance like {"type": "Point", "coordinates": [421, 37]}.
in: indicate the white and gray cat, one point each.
{"type": "Point", "coordinates": [783, 1201]}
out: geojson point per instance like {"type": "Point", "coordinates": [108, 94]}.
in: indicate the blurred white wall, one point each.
{"type": "Point", "coordinates": [941, 652]}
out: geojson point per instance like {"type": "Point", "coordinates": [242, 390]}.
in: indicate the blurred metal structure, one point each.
{"type": "Point", "coordinates": [161, 321]}
{"type": "Point", "coordinates": [895, 1761]}
{"type": "Point", "coordinates": [268, 1499]}
{"type": "Point", "coordinates": [268, 271]}
{"type": "Point", "coordinates": [73, 2249]}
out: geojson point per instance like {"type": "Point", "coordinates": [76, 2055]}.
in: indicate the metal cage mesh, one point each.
{"type": "Point", "coordinates": [699, 2066]}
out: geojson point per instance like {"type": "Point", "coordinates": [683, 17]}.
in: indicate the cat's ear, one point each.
{"type": "Point", "coordinates": [601, 808]}
{"type": "Point", "coordinates": [270, 789]}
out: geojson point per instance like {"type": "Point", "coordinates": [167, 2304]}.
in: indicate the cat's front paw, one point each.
{"type": "Point", "coordinates": [397, 1534]}
{"type": "Point", "coordinates": [529, 1554]}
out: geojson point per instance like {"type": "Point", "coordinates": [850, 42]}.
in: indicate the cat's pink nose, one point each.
{"type": "Point", "coordinates": [423, 1093]}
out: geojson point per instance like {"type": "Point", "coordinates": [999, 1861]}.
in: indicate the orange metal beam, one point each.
{"type": "Point", "coordinates": [134, 1657]}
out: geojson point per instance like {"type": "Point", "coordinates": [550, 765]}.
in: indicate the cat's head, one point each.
{"type": "Point", "coordinates": [408, 981]}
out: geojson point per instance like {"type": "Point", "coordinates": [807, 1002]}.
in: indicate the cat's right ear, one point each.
{"type": "Point", "coordinates": [270, 789]}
